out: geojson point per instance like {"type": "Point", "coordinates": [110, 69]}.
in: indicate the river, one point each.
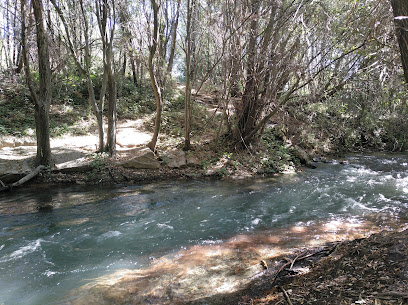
{"type": "Point", "coordinates": [179, 241]}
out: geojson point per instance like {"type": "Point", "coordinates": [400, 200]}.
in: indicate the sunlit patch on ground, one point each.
{"type": "Point", "coordinates": [68, 148]}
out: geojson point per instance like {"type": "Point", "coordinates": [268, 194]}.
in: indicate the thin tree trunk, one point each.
{"type": "Point", "coordinates": [134, 72]}
{"type": "Point", "coordinates": [246, 115]}
{"type": "Point", "coordinates": [173, 39]}
{"type": "Point", "coordinates": [112, 95]}
{"type": "Point", "coordinates": [106, 11]}
{"type": "Point", "coordinates": [153, 79]}
{"type": "Point", "coordinates": [400, 10]}
{"type": "Point", "coordinates": [123, 72]}
{"type": "Point", "coordinates": [141, 71]}
{"type": "Point", "coordinates": [97, 112]}
{"type": "Point", "coordinates": [187, 100]}
{"type": "Point", "coordinates": [84, 69]}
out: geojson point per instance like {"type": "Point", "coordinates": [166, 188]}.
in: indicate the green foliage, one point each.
{"type": "Point", "coordinates": [58, 129]}
{"type": "Point", "coordinates": [98, 160]}
{"type": "Point", "coordinates": [69, 106]}
{"type": "Point", "coordinates": [71, 88]}
{"type": "Point", "coordinates": [135, 101]}
{"type": "Point", "coordinates": [364, 116]}
{"type": "Point", "coordinates": [173, 119]}
{"type": "Point", "coordinates": [16, 111]}
{"type": "Point", "coordinates": [222, 172]}
{"type": "Point", "coordinates": [204, 164]}
{"type": "Point", "coordinates": [174, 100]}
{"type": "Point", "coordinates": [98, 163]}
{"type": "Point", "coordinates": [173, 123]}
{"type": "Point", "coordinates": [276, 155]}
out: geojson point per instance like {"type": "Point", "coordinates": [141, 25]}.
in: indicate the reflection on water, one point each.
{"type": "Point", "coordinates": [205, 271]}
{"type": "Point", "coordinates": [174, 242]}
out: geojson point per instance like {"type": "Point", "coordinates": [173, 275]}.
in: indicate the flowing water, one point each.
{"type": "Point", "coordinates": [178, 241]}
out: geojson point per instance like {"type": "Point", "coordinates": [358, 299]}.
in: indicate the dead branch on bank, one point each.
{"type": "Point", "coordinates": [300, 257]}
{"type": "Point", "coordinates": [285, 294]}
{"type": "Point", "coordinates": [23, 180]}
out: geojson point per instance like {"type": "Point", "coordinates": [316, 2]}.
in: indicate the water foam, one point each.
{"type": "Point", "coordinates": [402, 184]}
{"type": "Point", "coordinates": [23, 251]}
{"type": "Point", "coordinates": [163, 225]}
{"type": "Point", "coordinates": [110, 234]}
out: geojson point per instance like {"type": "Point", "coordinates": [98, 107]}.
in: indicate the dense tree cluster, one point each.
{"type": "Point", "coordinates": [262, 58]}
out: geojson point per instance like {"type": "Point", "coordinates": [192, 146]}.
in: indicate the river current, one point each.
{"type": "Point", "coordinates": [178, 241]}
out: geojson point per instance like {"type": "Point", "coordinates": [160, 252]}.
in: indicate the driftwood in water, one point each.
{"type": "Point", "coordinates": [23, 180]}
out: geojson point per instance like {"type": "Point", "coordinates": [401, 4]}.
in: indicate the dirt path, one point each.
{"type": "Point", "coordinates": [17, 154]}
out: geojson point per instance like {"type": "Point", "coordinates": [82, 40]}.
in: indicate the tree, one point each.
{"type": "Point", "coordinates": [10, 44]}
{"type": "Point", "coordinates": [154, 79]}
{"type": "Point", "coordinates": [42, 99]}
{"type": "Point", "coordinates": [106, 17]}
{"type": "Point", "coordinates": [187, 98]}
{"type": "Point", "coordinates": [158, 65]}
{"type": "Point", "coordinates": [400, 10]}
{"type": "Point", "coordinates": [84, 65]}
{"type": "Point", "coordinates": [282, 62]}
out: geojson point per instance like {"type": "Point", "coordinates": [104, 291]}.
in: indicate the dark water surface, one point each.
{"type": "Point", "coordinates": [59, 244]}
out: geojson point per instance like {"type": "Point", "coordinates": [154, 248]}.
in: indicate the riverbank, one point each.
{"type": "Point", "coordinates": [76, 161]}
{"type": "Point", "coordinates": [372, 270]}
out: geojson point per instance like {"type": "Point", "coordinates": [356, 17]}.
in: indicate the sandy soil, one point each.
{"type": "Point", "coordinates": [17, 155]}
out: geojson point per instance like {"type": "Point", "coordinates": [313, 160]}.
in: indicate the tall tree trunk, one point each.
{"type": "Point", "coordinates": [105, 13]}
{"type": "Point", "coordinates": [97, 111]}
{"type": "Point", "coordinates": [153, 79]}
{"type": "Point", "coordinates": [124, 64]}
{"type": "Point", "coordinates": [43, 99]}
{"type": "Point", "coordinates": [187, 100]}
{"type": "Point", "coordinates": [112, 96]}
{"type": "Point", "coordinates": [134, 72]}
{"type": "Point", "coordinates": [400, 9]}
{"type": "Point", "coordinates": [247, 113]}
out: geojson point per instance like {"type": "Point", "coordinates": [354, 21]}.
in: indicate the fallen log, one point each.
{"type": "Point", "coordinates": [23, 180]}
{"type": "Point", "coordinates": [30, 176]}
